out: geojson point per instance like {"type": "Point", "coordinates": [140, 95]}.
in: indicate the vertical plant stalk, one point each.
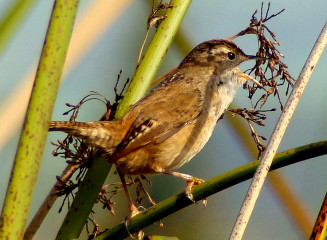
{"type": "Point", "coordinates": [84, 200]}
{"type": "Point", "coordinates": [99, 17]}
{"type": "Point", "coordinates": [146, 71]}
{"type": "Point", "coordinates": [154, 55]}
{"type": "Point", "coordinates": [269, 153]}
{"type": "Point", "coordinates": [28, 156]}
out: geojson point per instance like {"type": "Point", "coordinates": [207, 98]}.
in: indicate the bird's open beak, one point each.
{"type": "Point", "coordinates": [249, 78]}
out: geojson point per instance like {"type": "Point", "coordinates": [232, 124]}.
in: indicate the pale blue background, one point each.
{"type": "Point", "coordinates": [297, 28]}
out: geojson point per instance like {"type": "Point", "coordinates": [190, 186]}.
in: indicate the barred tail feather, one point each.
{"type": "Point", "coordinates": [104, 135]}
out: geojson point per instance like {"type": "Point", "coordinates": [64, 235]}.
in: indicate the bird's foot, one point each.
{"type": "Point", "coordinates": [138, 235]}
{"type": "Point", "coordinates": [133, 211]}
{"type": "Point", "coordinates": [189, 185]}
{"type": "Point", "coordinates": [191, 181]}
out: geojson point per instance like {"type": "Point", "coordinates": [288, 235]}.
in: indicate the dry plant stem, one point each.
{"type": "Point", "coordinates": [297, 210]}
{"type": "Point", "coordinates": [268, 155]}
{"type": "Point", "coordinates": [319, 231]}
{"type": "Point", "coordinates": [143, 44]}
{"type": "Point", "coordinates": [47, 203]}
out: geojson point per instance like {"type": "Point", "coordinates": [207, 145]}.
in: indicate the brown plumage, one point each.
{"type": "Point", "coordinates": [166, 128]}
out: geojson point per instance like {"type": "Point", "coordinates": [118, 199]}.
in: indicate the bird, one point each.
{"type": "Point", "coordinates": [166, 128]}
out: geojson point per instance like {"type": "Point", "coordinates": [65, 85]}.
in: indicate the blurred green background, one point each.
{"type": "Point", "coordinates": [297, 29]}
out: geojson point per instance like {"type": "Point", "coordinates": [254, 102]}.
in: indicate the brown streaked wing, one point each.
{"type": "Point", "coordinates": [153, 126]}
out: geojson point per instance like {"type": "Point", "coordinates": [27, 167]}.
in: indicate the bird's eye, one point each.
{"type": "Point", "coordinates": [231, 55]}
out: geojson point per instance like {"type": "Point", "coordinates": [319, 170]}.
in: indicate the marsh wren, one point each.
{"type": "Point", "coordinates": [167, 127]}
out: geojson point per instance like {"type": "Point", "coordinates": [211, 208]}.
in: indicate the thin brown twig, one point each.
{"type": "Point", "coordinates": [48, 203]}
{"type": "Point", "coordinates": [153, 20]}
{"type": "Point", "coordinates": [96, 229]}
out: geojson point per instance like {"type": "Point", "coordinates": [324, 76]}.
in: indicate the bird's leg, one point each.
{"type": "Point", "coordinates": [190, 182]}
{"type": "Point", "coordinates": [132, 208]}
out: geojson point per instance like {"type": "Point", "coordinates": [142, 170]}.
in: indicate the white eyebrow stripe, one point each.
{"type": "Point", "coordinates": [222, 50]}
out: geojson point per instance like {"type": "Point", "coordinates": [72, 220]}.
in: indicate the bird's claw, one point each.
{"type": "Point", "coordinates": [189, 186]}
